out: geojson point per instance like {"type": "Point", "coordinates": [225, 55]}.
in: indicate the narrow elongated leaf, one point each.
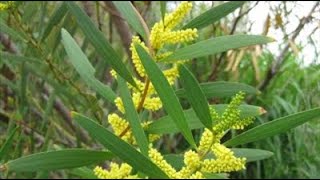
{"type": "Point", "coordinates": [80, 62]}
{"type": "Point", "coordinates": [97, 39]}
{"type": "Point", "coordinates": [222, 89]}
{"type": "Point", "coordinates": [216, 45]}
{"type": "Point", "coordinates": [195, 96]}
{"type": "Point", "coordinates": [168, 98]}
{"type": "Point", "coordinates": [252, 154]}
{"type": "Point", "coordinates": [132, 117]}
{"type": "Point", "coordinates": [163, 9]}
{"type": "Point", "coordinates": [62, 159]}
{"type": "Point", "coordinates": [129, 12]}
{"type": "Point", "coordinates": [274, 127]}
{"type": "Point", "coordinates": [214, 14]}
{"type": "Point", "coordinates": [6, 145]}
{"type": "Point", "coordinates": [55, 19]}
{"type": "Point", "coordinates": [166, 125]}
{"type": "Point", "coordinates": [84, 172]}
{"type": "Point", "coordinates": [120, 148]}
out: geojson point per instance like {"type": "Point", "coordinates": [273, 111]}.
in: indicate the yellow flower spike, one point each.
{"type": "Point", "coordinates": [101, 173]}
{"type": "Point", "coordinates": [158, 159]}
{"type": "Point", "coordinates": [173, 19]}
{"type": "Point", "coordinates": [207, 139]}
{"type": "Point", "coordinates": [155, 35]}
{"type": "Point", "coordinates": [192, 159]}
{"type": "Point", "coordinates": [231, 116]}
{"type": "Point", "coordinates": [163, 55]}
{"type": "Point", "coordinates": [197, 175]}
{"type": "Point", "coordinates": [192, 163]}
{"type": "Point", "coordinates": [152, 103]}
{"type": "Point", "coordinates": [139, 84]}
{"type": "Point", "coordinates": [119, 125]}
{"type": "Point", "coordinates": [119, 104]}
{"type": "Point", "coordinates": [225, 161]}
{"type": "Point", "coordinates": [171, 74]}
{"type": "Point", "coordinates": [135, 98]}
{"type": "Point", "coordinates": [180, 36]}
{"type": "Point", "coordinates": [115, 172]}
{"type": "Point", "coordinates": [124, 170]}
{"type": "Point", "coordinates": [159, 30]}
{"type": "Point", "coordinates": [154, 137]}
{"type": "Point", "coordinates": [243, 123]}
{"type": "Point", "coordinates": [135, 57]}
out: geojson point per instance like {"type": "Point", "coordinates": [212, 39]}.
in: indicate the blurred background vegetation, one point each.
{"type": "Point", "coordinates": [38, 86]}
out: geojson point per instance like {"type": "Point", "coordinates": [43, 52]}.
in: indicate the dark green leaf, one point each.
{"type": "Point", "coordinates": [132, 117]}
{"type": "Point", "coordinates": [80, 62]}
{"type": "Point", "coordinates": [62, 159]}
{"type": "Point", "coordinates": [55, 19]}
{"type": "Point", "coordinates": [163, 9]}
{"type": "Point", "coordinates": [176, 160]}
{"type": "Point", "coordinates": [195, 96]}
{"type": "Point", "coordinates": [84, 173]}
{"type": "Point", "coordinates": [252, 154]}
{"type": "Point", "coordinates": [222, 89]}
{"type": "Point", "coordinates": [97, 39]}
{"type": "Point", "coordinates": [214, 14]}
{"type": "Point", "coordinates": [274, 127]}
{"type": "Point", "coordinates": [168, 98]}
{"type": "Point", "coordinates": [216, 45]}
{"type": "Point", "coordinates": [120, 148]}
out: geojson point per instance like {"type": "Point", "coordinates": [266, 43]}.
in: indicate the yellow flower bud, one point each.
{"type": "Point", "coordinates": [158, 159]}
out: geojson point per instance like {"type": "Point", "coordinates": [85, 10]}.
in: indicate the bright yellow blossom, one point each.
{"type": "Point", "coordinates": [115, 172]}
{"type": "Point", "coordinates": [161, 32]}
{"type": "Point", "coordinates": [225, 161]}
{"type": "Point", "coordinates": [207, 139]}
{"type": "Point", "coordinates": [119, 126]}
{"type": "Point", "coordinates": [135, 57]}
{"type": "Point", "coordinates": [158, 159]}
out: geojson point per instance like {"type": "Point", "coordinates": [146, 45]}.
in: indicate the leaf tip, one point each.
{"type": "Point", "coordinates": [262, 111]}
{"type": "Point", "coordinates": [63, 30]}
{"type": "Point", "coordinates": [73, 114]}
{"type": "Point", "coordinates": [271, 39]}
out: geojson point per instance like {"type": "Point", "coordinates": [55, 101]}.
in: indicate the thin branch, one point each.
{"type": "Point", "coordinates": [121, 26]}
{"type": "Point", "coordinates": [275, 66]}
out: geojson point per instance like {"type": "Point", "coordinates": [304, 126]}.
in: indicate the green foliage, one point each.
{"type": "Point", "coordinates": [56, 93]}
{"type": "Point", "coordinates": [118, 147]}
{"type": "Point", "coordinates": [54, 160]}
{"type": "Point", "coordinates": [133, 118]}
{"type": "Point", "coordinates": [195, 96]}
{"type": "Point", "coordinates": [166, 94]}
